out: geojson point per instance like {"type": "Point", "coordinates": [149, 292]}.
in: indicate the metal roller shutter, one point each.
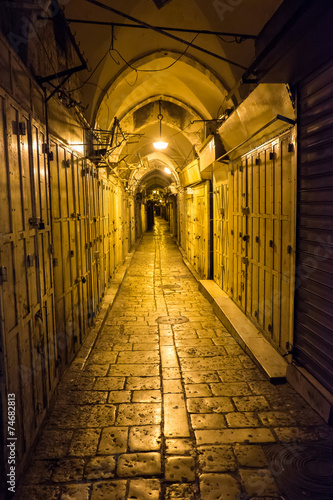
{"type": "Point", "coordinates": [314, 274]}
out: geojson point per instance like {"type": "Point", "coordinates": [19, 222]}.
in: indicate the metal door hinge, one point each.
{"type": "Point", "coordinates": [46, 151]}
{"type": "Point", "coordinates": [33, 221]}
{"type": "Point", "coordinates": [290, 349]}
{"type": "Point", "coordinates": [19, 128]}
{"type": "Point", "coordinates": [30, 260]}
{"type": "Point", "coordinates": [3, 274]}
{"type": "Point", "coordinates": [39, 316]}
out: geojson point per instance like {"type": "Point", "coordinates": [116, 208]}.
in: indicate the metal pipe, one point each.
{"type": "Point", "coordinates": [65, 72]}
{"type": "Point", "coordinates": [162, 32]}
{"type": "Point", "coordinates": [55, 90]}
{"type": "Point", "coordinates": [165, 28]}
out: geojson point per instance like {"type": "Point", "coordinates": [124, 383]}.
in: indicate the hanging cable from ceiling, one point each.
{"type": "Point", "coordinates": [165, 33]}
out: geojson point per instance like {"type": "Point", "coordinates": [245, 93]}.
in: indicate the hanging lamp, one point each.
{"type": "Point", "coordinates": [160, 144]}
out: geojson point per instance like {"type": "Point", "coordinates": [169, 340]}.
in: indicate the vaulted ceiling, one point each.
{"type": "Point", "coordinates": [145, 78]}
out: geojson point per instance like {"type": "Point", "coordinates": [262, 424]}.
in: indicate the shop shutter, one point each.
{"type": "Point", "coordinates": [314, 270]}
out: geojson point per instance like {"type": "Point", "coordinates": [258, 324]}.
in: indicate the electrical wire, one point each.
{"type": "Point", "coordinates": [111, 50]}
{"type": "Point", "coordinates": [235, 40]}
{"type": "Point", "coordinates": [156, 70]}
{"type": "Point", "coordinates": [98, 64]}
{"type": "Point", "coordinates": [91, 74]}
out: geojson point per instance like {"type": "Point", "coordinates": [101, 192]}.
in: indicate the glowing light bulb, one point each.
{"type": "Point", "coordinates": [160, 145]}
{"type": "Point", "coordinates": [167, 170]}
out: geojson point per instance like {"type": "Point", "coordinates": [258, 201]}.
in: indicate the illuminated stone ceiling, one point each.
{"type": "Point", "coordinates": [141, 75]}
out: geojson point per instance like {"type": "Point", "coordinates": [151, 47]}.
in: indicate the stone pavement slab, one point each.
{"type": "Point", "coordinates": [164, 404]}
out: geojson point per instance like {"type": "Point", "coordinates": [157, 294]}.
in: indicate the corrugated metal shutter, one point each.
{"type": "Point", "coordinates": [314, 279]}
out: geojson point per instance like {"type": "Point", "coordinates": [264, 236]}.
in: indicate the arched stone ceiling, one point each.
{"type": "Point", "coordinates": [135, 69]}
{"type": "Point", "coordinates": [186, 81]}
{"type": "Point", "coordinates": [154, 179]}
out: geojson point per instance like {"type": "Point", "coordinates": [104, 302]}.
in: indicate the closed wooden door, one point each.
{"type": "Point", "coordinates": [27, 333]}
{"type": "Point", "coordinates": [262, 237]}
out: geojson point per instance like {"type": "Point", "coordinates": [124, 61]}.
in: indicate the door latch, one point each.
{"type": "Point", "coordinates": [245, 210]}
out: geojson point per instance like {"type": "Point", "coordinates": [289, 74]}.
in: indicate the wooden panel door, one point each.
{"type": "Point", "coordinates": [271, 235]}
{"type": "Point", "coordinates": [202, 229]}
{"type": "Point", "coordinates": [27, 334]}
{"type": "Point", "coordinates": [221, 235]}
{"type": "Point", "coordinates": [217, 234]}
{"type": "Point", "coordinates": [238, 233]}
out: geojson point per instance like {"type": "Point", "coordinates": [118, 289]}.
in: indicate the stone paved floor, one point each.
{"type": "Point", "coordinates": [167, 406]}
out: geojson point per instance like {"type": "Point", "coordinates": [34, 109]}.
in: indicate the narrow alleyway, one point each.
{"type": "Point", "coordinates": [168, 406]}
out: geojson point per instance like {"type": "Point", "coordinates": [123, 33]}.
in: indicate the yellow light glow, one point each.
{"type": "Point", "coordinates": [167, 170]}
{"type": "Point", "coordinates": [160, 145]}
